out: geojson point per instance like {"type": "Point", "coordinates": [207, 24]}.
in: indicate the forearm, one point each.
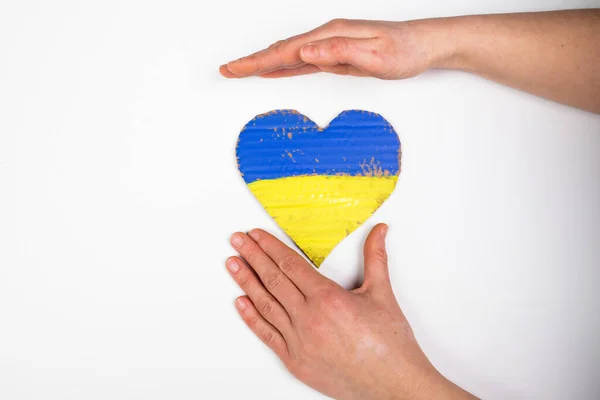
{"type": "Point", "coordinates": [555, 55]}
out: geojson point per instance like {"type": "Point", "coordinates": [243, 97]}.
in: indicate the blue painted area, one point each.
{"type": "Point", "coordinates": [284, 143]}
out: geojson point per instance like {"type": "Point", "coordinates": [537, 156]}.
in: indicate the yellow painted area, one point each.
{"type": "Point", "coordinates": [318, 211]}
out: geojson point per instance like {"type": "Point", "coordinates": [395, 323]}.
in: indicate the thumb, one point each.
{"type": "Point", "coordinates": [340, 50]}
{"type": "Point", "coordinates": [376, 263]}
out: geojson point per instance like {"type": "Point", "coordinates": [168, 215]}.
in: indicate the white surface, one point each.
{"type": "Point", "coordinates": [119, 190]}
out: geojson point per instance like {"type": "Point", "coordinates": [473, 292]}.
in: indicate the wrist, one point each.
{"type": "Point", "coordinates": [427, 383]}
{"type": "Point", "coordinates": [448, 40]}
{"type": "Point", "coordinates": [441, 388]}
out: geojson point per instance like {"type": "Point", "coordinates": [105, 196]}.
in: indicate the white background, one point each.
{"type": "Point", "coordinates": [119, 190]}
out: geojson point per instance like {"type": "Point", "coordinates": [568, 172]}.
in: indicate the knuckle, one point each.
{"type": "Point", "coordinates": [379, 255]}
{"type": "Point", "coordinates": [332, 301]}
{"type": "Point", "coordinates": [278, 50]}
{"type": "Point", "coordinates": [338, 45]}
{"type": "Point", "coordinates": [267, 336]}
{"type": "Point", "coordinates": [324, 289]}
{"type": "Point", "coordinates": [251, 257]}
{"type": "Point", "coordinates": [279, 46]}
{"type": "Point", "coordinates": [276, 44]}
{"type": "Point", "coordinates": [244, 280]}
{"type": "Point", "coordinates": [252, 321]}
{"type": "Point", "coordinates": [273, 281]}
{"type": "Point", "coordinates": [266, 307]}
{"type": "Point", "coordinates": [266, 248]}
{"type": "Point", "coordinates": [338, 22]}
{"type": "Point", "coordinates": [288, 264]}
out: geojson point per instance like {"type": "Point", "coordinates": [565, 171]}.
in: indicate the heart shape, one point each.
{"type": "Point", "coordinates": [319, 184]}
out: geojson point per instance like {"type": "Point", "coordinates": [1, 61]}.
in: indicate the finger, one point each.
{"type": "Point", "coordinates": [288, 72]}
{"type": "Point", "coordinates": [265, 303]}
{"type": "Point", "coordinates": [376, 264]}
{"type": "Point", "coordinates": [300, 272]}
{"type": "Point", "coordinates": [361, 53]}
{"type": "Point", "coordinates": [281, 54]}
{"type": "Point", "coordinates": [269, 273]}
{"type": "Point", "coordinates": [342, 69]}
{"type": "Point", "coordinates": [261, 328]}
{"type": "Point", "coordinates": [286, 53]}
{"type": "Point", "coordinates": [223, 70]}
{"type": "Point", "coordinates": [274, 58]}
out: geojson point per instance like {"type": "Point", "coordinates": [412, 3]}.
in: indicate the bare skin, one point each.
{"type": "Point", "coordinates": [346, 344]}
{"type": "Point", "coordinates": [357, 344]}
{"type": "Point", "coordinates": [555, 55]}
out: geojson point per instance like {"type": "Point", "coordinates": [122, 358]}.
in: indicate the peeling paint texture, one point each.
{"type": "Point", "coordinates": [319, 184]}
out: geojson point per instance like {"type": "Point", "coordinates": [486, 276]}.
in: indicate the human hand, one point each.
{"type": "Point", "coordinates": [554, 54]}
{"type": "Point", "coordinates": [353, 344]}
{"type": "Point", "coordinates": [386, 50]}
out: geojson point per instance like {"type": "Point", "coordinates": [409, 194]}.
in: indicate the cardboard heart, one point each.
{"type": "Point", "coordinates": [319, 184]}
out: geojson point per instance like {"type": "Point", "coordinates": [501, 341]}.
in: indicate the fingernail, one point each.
{"type": "Point", "coordinates": [229, 70]}
{"type": "Point", "coordinates": [237, 240]}
{"type": "Point", "coordinates": [232, 265]}
{"type": "Point", "coordinates": [254, 235]}
{"type": "Point", "coordinates": [309, 52]}
{"type": "Point", "coordinates": [384, 230]}
{"type": "Point", "coordinates": [240, 304]}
